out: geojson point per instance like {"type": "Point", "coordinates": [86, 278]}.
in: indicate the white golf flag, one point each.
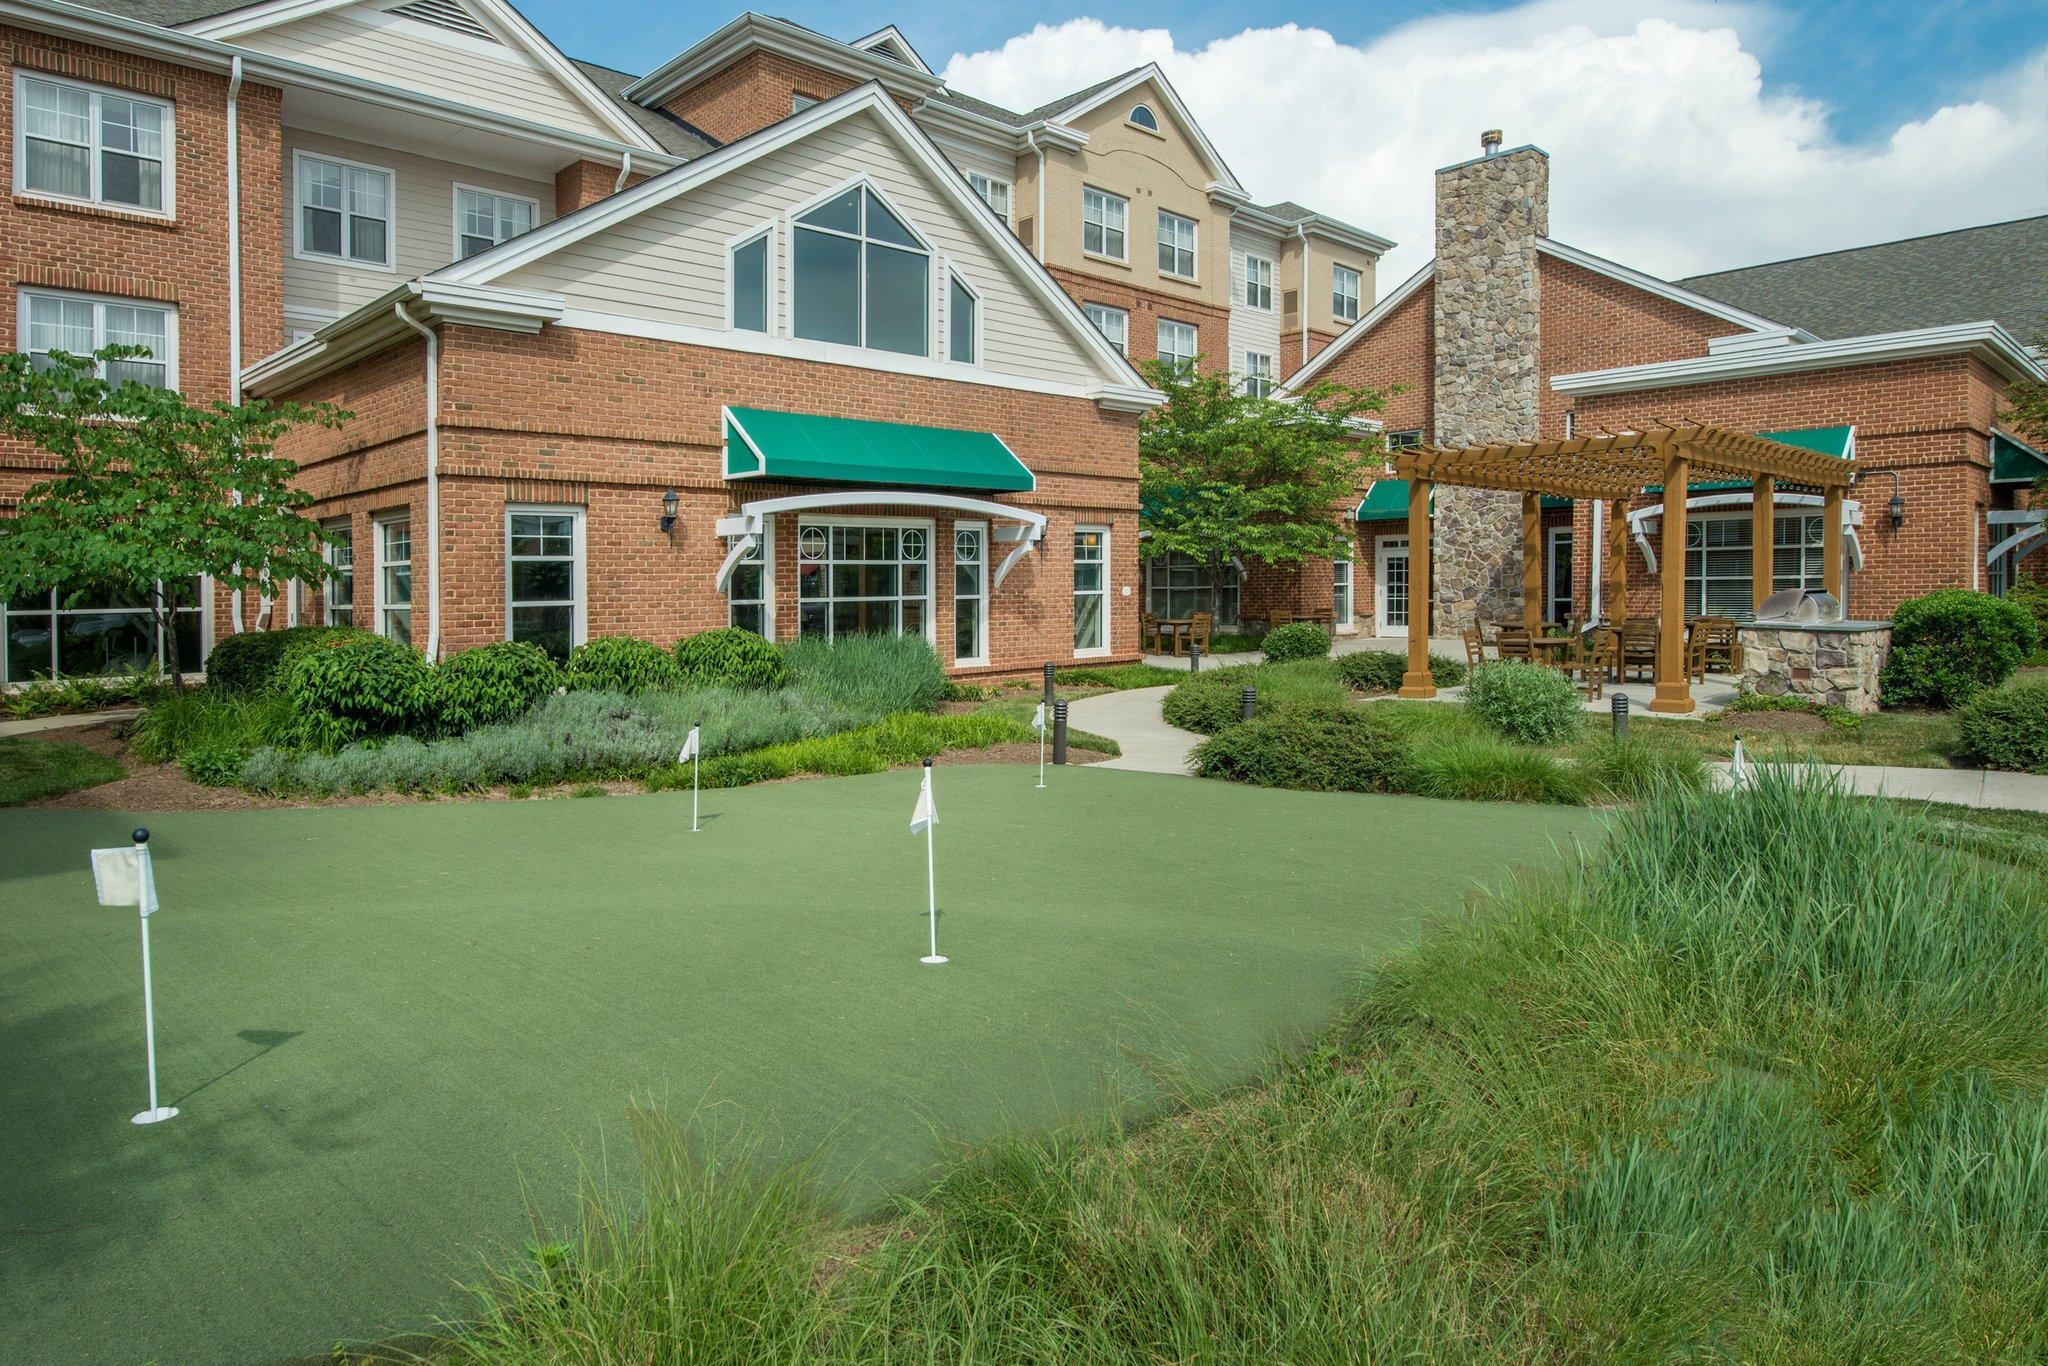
{"type": "Point", "coordinates": [1038, 718]}
{"type": "Point", "coordinates": [926, 814]}
{"type": "Point", "coordinates": [690, 745]}
{"type": "Point", "coordinates": [117, 877]}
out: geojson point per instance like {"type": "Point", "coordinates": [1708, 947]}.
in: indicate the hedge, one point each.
{"type": "Point", "coordinates": [1953, 644]}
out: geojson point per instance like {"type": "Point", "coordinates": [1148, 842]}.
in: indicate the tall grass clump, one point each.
{"type": "Point", "coordinates": [1486, 768]}
{"type": "Point", "coordinates": [871, 674]}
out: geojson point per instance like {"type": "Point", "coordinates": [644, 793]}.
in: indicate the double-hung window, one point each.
{"type": "Point", "coordinates": [1176, 245]}
{"type": "Point", "coordinates": [484, 218]}
{"type": "Point", "coordinates": [1177, 343]}
{"type": "Point", "coordinates": [1340, 589]}
{"type": "Point", "coordinates": [344, 211]}
{"type": "Point", "coordinates": [994, 193]}
{"type": "Point", "coordinates": [544, 578]}
{"type": "Point", "coordinates": [80, 325]}
{"type": "Point", "coordinates": [1258, 283]}
{"type": "Point", "coordinates": [394, 579]}
{"type": "Point", "coordinates": [862, 276]}
{"type": "Point", "coordinates": [340, 553]}
{"type": "Point", "coordinates": [95, 146]}
{"type": "Point", "coordinates": [970, 593]}
{"type": "Point", "coordinates": [1091, 590]}
{"type": "Point", "coordinates": [1102, 223]}
{"type": "Point", "coordinates": [1258, 374]}
{"type": "Point", "coordinates": [746, 592]}
{"type": "Point", "coordinates": [1344, 293]}
{"type": "Point", "coordinates": [1112, 323]}
{"type": "Point", "coordinates": [747, 263]}
{"type": "Point", "coordinates": [855, 578]}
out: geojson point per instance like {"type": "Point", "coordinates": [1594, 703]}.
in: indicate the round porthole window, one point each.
{"type": "Point", "coordinates": [811, 543]}
{"type": "Point", "coordinates": [967, 546]}
{"type": "Point", "coordinates": [913, 545]}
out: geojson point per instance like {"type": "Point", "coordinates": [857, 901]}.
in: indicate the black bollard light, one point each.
{"type": "Point", "coordinates": [1251, 702]}
{"type": "Point", "coordinates": [1620, 706]}
{"type": "Point", "coordinates": [1059, 732]}
{"type": "Point", "coordinates": [1194, 658]}
{"type": "Point", "coordinates": [1048, 682]}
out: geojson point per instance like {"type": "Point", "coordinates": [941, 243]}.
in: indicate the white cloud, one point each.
{"type": "Point", "coordinates": [1666, 152]}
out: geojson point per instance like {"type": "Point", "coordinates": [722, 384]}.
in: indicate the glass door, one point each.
{"type": "Point", "coordinates": [1390, 586]}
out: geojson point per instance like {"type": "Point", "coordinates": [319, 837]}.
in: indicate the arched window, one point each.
{"type": "Point", "coordinates": [1143, 116]}
{"type": "Point", "coordinates": [862, 277]}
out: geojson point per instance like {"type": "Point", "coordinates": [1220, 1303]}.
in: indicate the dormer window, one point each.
{"type": "Point", "coordinates": [862, 277]}
{"type": "Point", "coordinates": [1142, 115]}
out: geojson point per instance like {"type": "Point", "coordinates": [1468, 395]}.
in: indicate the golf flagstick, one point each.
{"type": "Point", "coordinates": [692, 747]}
{"type": "Point", "coordinates": [1038, 724]}
{"type": "Point", "coordinates": [125, 877]}
{"type": "Point", "coordinates": [923, 817]}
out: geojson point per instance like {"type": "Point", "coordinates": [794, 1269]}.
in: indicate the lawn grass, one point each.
{"type": "Point", "coordinates": [387, 1026]}
{"type": "Point", "coordinates": [32, 770]}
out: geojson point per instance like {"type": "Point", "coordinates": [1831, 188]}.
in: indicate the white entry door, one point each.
{"type": "Point", "coordinates": [1390, 586]}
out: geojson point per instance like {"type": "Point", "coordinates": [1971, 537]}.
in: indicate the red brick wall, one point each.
{"type": "Point", "coordinates": [1593, 322]}
{"type": "Point", "coordinates": [610, 423]}
{"type": "Point", "coordinates": [753, 91]}
{"type": "Point", "coordinates": [582, 183]}
{"type": "Point", "coordinates": [1398, 353]}
{"type": "Point", "coordinates": [1146, 307]}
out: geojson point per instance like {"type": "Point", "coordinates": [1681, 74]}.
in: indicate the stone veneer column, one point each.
{"type": "Point", "coordinates": [1489, 213]}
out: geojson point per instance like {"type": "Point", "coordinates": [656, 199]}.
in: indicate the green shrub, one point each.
{"type": "Point", "coordinates": [493, 683]}
{"type": "Point", "coordinates": [46, 697]}
{"type": "Point", "coordinates": [1636, 771]}
{"type": "Point", "coordinates": [1308, 746]}
{"type": "Point", "coordinates": [871, 674]}
{"type": "Point", "coordinates": [2032, 594]}
{"type": "Point", "coordinates": [1527, 702]}
{"type": "Point", "coordinates": [2007, 728]}
{"type": "Point", "coordinates": [254, 661]}
{"type": "Point", "coordinates": [210, 734]}
{"type": "Point", "coordinates": [1953, 644]}
{"type": "Point", "coordinates": [1296, 640]}
{"type": "Point", "coordinates": [1380, 671]}
{"type": "Point", "coordinates": [354, 687]}
{"type": "Point", "coordinates": [1486, 768]}
{"type": "Point", "coordinates": [1207, 702]}
{"type": "Point", "coordinates": [624, 664]}
{"type": "Point", "coordinates": [729, 657]}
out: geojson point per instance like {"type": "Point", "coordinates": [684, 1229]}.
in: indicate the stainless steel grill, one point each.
{"type": "Point", "coordinates": [1797, 607]}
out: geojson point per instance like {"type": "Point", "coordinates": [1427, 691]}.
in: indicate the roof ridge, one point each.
{"type": "Point", "coordinates": [1867, 246]}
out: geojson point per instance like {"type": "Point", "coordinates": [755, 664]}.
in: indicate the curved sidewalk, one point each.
{"type": "Point", "coordinates": [1131, 718]}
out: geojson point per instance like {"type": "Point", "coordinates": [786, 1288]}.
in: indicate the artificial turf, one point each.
{"type": "Point", "coordinates": [389, 1028]}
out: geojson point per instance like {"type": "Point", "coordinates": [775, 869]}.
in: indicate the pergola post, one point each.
{"type": "Point", "coordinates": [1763, 522]}
{"type": "Point", "coordinates": [1617, 563]}
{"type": "Point", "coordinates": [1532, 562]}
{"type": "Point", "coordinates": [1416, 682]}
{"type": "Point", "coordinates": [1674, 685]}
{"type": "Point", "coordinates": [1831, 542]}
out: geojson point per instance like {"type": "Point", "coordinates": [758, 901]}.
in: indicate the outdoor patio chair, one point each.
{"type": "Point", "coordinates": [1475, 647]}
{"type": "Point", "coordinates": [1196, 635]}
{"type": "Point", "coordinates": [1638, 650]}
{"type": "Point", "coordinates": [1723, 644]}
{"type": "Point", "coordinates": [1696, 650]}
{"type": "Point", "coordinates": [1513, 643]}
{"type": "Point", "coordinates": [1588, 660]}
{"type": "Point", "coordinates": [1149, 639]}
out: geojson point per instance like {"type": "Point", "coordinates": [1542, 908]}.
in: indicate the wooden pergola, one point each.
{"type": "Point", "coordinates": [1617, 467]}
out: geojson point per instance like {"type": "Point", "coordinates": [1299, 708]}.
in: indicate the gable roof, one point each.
{"type": "Point", "coordinates": [1995, 272]}
{"type": "Point", "coordinates": [676, 135]}
{"type": "Point", "coordinates": [890, 42]}
{"type": "Point", "coordinates": [1101, 93]}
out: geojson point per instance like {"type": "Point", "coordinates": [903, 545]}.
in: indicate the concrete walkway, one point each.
{"type": "Point", "coordinates": [90, 718]}
{"type": "Point", "coordinates": [1131, 718]}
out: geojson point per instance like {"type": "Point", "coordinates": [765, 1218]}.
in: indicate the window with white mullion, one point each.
{"type": "Point", "coordinates": [394, 579]}
{"type": "Point", "coordinates": [544, 578]}
{"type": "Point", "coordinates": [1258, 374]}
{"type": "Point", "coordinates": [1176, 245]}
{"type": "Point", "coordinates": [340, 595]}
{"type": "Point", "coordinates": [1091, 590]}
{"type": "Point", "coordinates": [1178, 343]}
{"type": "Point", "coordinates": [1344, 293]}
{"type": "Point", "coordinates": [80, 325]}
{"type": "Point", "coordinates": [1719, 556]}
{"type": "Point", "coordinates": [858, 578]}
{"type": "Point", "coordinates": [994, 193]}
{"type": "Point", "coordinates": [484, 218]}
{"type": "Point", "coordinates": [1103, 220]}
{"type": "Point", "coordinates": [746, 592]}
{"type": "Point", "coordinates": [1258, 283]}
{"type": "Point", "coordinates": [1340, 590]}
{"type": "Point", "coordinates": [344, 211]}
{"type": "Point", "coordinates": [861, 276]}
{"type": "Point", "coordinates": [970, 593]}
{"type": "Point", "coordinates": [96, 146]}
{"type": "Point", "coordinates": [1113, 323]}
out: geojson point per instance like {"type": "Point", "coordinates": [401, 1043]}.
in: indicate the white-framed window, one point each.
{"type": "Point", "coordinates": [1258, 374]}
{"type": "Point", "coordinates": [1091, 590]}
{"type": "Point", "coordinates": [484, 218]}
{"type": "Point", "coordinates": [1404, 441]}
{"type": "Point", "coordinates": [1176, 245]}
{"type": "Point", "coordinates": [344, 211]}
{"type": "Point", "coordinates": [872, 576]}
{"type": "Point", "coordinates": [76, 633]}
{"type": "Point", "coordinates": [339, 605]}
{"type": "Point", "coordinates": [994, 193]}
{"type": "Point", "coordinates": [861, 276]}
{"type": "Point", "coordinates": [1103, 218]}
{"type": "Point", "coordinates": [749, 261]}
{"type": "Point", "coordinates": [1344, 293]}
{"type": "Point", "coordinates": [1178, 342]}
{"type": "Point", "coordinates": [799, 103]}
{"type": "Point", "coordinates": [1177, 586]}
{"type": "Point", "coordinates": [1340, 591]}
{"type": "Point", "coordinates": [746, 592]}
{"type": "Point", "coordinates": [963, 321]}
{"type": "Point", "coordinates": [394, 578]}
{"type": "Point", "coordinates": [970, 592]}
{"type": "Point", "coordinates": [92, 145]}
{"type": "Point", "coordinates": [1718, 559]}
{"type": "Point", "coordinates": [80, 324]}
{"type": "Point", "coordinates": [1258, 283]}
{"type": "Point", "coordinates": [1142, 115]}
{"type": "Point", "coordinates": [1112, 323]}
{"type": "Point", "coordinates": [544, 592]}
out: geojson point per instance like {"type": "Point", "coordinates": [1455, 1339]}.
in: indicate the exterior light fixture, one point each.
{"type": "Point", "coordinates": [668, 513]}
{"type": "Point", "coordinates": [1897, 507]}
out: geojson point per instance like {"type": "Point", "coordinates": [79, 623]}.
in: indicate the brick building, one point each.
{"type": "Point", "coordinates": [275, 197]}
{"type": "Point", "coordinates": [1895, 356]}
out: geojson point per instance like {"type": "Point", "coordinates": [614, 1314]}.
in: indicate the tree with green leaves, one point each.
{"type": "Point", "coordinates": [2026, 414]}
{"type": "Point", "coordinates": [1225, 475]}
{"type": "Point", "coordinates": [151, 491]}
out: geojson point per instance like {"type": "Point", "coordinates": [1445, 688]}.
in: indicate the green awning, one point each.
{"type": "Point", "coordinates": [2014, 461]}
{"type": "Point", "coordinates": [1839, 442]}
{"type": "Point", "coordinates": [1387, 501]}
{"type": "Point", "coordinates": [760, 444]}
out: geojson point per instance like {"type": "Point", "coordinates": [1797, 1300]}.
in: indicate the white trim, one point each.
{"type": "Point", "coordinates": [1357, 295]}
{"type": "Point", "coordinates": [1026, 528]}
{"type": "Point", "coordinates": [1123, 313]}
{"type": "Point", "coordinates": [1159, 335]}
{"type": "Point", "coordinates": [372, 327]}
{"type": "Point", "coordinates": [1108, 598]}
{"type": "Point", "coordinates": [870, 98]}
{"type": "Point", "coordinates": [389, 264]}
{"type": "Point", "coordinates": [1663, 289]}
{"type": "Point", "coordinates": [1171, 97]}
{"type": "Point", "coordinates": [1644, 521]}
{"type": "Point", "coordinates": [771, 315]}
{"type": "Point", "coordinates": [1194, 246]}
{"type": "Point", "coordinates": [1352, 332]}
{"type": "Point", "coordinates": [1382, 548]}
{"type": "Point", "coordinates": [765, 539]}
{"type": "Point", "coordinates": [1347, 623]}
{"type": "Point", "coordinates": [889, 33]}
{"type": "Point", "coordinates": [1371, 243]}
{"type": "Point", "coordinates": [981, 600]}
{"type": "Point", "coordinates": [510, 23]}
{"type": "Point", "coordinates": [1009, 214]}
{"type": "Point", "coordinates": [168, 162]}
{"type": "Point", "coordinates": [99, 321]}
{"type": "Point", "coordinates": [347, 525]}
{"type": "Point", "coordinates": [579, 602]}
{"type": "Point", "coordinates": [779, 36]}
{"type": "Point", "coordinates": [1550, 539]}
{"type": "Point", "coordinates": [1272, 285]}
{"type": "Point", "coordinates": [455, 194]}
{"type": "Point", "coordinates": [378, 606]}
{"type": "Point", "coordinates": [928, 525]}
{"type": "Point", "coordinates": [1986, 341]}
{"type": "Point", "coordinates": [1108, 196]}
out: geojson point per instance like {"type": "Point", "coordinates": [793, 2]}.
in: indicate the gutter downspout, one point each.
{"type": "Point", "coordinates": [625, 169]}
{"type": "Point", "coordinates": [1038, 232]}
{"type": "Point", "coordinates": [433, 477]}
{"type": "Point", "coordinates": [1301, 231]}
{"type": "Point", "coordinates": [234, 132]}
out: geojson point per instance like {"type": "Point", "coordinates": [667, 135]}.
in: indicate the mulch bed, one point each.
{"type": "Point", "coordinates": [1772, 722]}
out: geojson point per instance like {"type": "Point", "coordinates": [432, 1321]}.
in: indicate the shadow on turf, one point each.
{"type": "Point", "coordinates": [265, 1041]}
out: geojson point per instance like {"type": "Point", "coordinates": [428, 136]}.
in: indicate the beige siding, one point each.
{"type": "Point", "coordinates": [973, 156]}
{"type": "Point", "coordinates": [424, 195]}
{"type": "Point", "coordinates": [1253, 329]}
{"type": "Point", "coordinates": [403, 52]}
{"type": "Point", "coordinates": [668, 264]}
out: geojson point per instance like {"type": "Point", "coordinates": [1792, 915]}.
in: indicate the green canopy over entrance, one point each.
{"type": "Point", "coordinates": [804, 447]}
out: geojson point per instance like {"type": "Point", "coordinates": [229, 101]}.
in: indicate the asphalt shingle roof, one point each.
{"type": "Point", "coordinates": [1997, 272]}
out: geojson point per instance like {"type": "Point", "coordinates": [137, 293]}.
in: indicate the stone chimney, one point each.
{"type": "Point", "coordinates": [1489, 213]}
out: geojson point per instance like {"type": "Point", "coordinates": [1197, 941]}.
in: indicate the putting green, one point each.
{"type": "Point", "coordinates": [380, 1021]}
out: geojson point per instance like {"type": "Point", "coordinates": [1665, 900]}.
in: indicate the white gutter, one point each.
{"type": "Point", "coordinates": [1301, 231]}
{"type": "Point", "coordinates": [1985, 340]}
{"type": "Point", "coordinates": [1038, 234]}
{"type": "Point", "coordinates": [433, 478]}
{"type": "Point", "coordinates": [235, 287]}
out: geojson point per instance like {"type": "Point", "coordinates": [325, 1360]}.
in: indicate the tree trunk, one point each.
{"type": "Point", "coordinates": [1215, 594]}
{"type": "Point", "coordinates": [166, 613]}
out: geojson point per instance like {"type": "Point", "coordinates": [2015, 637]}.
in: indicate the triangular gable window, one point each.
{"type": "Point", "coordinates": [862, 277]}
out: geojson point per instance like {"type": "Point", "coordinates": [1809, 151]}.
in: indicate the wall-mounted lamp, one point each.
{"type": "Point", "coordinates": [669, 501]}
{"type": "Point", "coordinates": [1897, 507]}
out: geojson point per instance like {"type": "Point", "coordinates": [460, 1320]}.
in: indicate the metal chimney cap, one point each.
{"type": "Point", "coordinates": [1489, 142]}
